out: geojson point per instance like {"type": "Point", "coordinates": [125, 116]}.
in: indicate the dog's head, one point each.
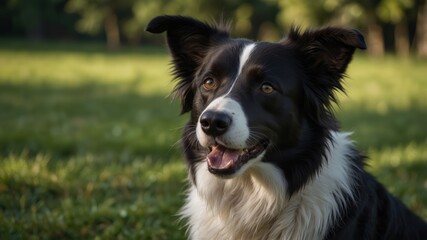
{"type": "Point", "coordinates": [250, 101]}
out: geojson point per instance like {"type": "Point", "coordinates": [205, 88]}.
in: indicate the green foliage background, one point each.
{"type": "Point", "coordinates": [390, 25]}
{"type": "Point", "coordinates": [89, 139]}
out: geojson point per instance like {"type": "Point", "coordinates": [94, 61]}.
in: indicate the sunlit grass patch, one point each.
{"type": "Point", "coordinates": [89, 196]}
{"type": "Point", "coordinates": [144, 71]}
{"type": "Point", "coordinates": [403, 169]}
{"type": "Point", "coordinates": [384, 84]}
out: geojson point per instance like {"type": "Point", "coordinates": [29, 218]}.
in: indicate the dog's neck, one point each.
{"type": "Point", "coordinates": [257, 202]}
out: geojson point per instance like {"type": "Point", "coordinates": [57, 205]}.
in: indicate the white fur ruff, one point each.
{"type": "Point", "coordinates": [255, 205]}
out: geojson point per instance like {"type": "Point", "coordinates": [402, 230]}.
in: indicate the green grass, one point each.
{"type": "Point", "coordinates": [88, 139]}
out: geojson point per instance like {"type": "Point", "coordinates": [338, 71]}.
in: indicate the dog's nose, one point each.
{"type": "Point", "coordinates": [215, 123]}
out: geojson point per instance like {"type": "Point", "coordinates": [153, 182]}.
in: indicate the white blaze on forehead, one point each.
{"type": "Point", "coordinates": [238, 132]}
{"type": "Point", "coordinates": [244, 56]}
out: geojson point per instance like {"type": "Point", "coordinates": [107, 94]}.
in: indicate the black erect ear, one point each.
{"type": "Point", "coordinates": [325, 54]}
{"type": "Point", "coordinates": [328, 49]}
{"type": "Point", "coordinates": [189, 41]}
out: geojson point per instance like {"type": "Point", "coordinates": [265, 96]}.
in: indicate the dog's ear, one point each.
{"type": "Point", "coordinates": [325, 55]}
{"type": "Point", "coordinates": [189, 41]}
{"type": "Point", "coordinates": [328, 50]}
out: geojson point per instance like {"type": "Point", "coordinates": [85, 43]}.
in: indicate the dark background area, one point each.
{"type": "Point", "coordinates": [398, 26]}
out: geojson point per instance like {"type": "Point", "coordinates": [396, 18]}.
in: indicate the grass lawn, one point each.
{"type": "Point", "coordinates": [89, 139]}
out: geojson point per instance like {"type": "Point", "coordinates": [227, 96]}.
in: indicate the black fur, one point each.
{"type": "Point", "coordinates": [188, 41]}
{"type": "Point", "coordinates": [307, 68]}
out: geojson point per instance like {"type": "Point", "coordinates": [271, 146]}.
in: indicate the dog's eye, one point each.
{"type": "Point", "coordinates": [209, 84]}
{"type": "Point", "coordinates": [267, 88]}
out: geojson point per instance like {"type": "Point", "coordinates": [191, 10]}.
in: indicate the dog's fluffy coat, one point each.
{"type": "Point", "coordinates": [265, 157]}
{"type": "Point", "coordinates": [256, 205]}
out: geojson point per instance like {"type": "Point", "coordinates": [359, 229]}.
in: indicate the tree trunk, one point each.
{"type": "Point", "coordinates": [375, 40]}
{"type": "Point", "coordinates": [421, 31]}
{"type": "Point", "coordinates": [401, 38]}
{"type": "Point", "coordinates": [375, 36]}
{"type": "Point", "coordinates": [112, 29]}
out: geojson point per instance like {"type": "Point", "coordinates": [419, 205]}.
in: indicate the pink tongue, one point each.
{"type": "Point", "coordinates": [222, 158]}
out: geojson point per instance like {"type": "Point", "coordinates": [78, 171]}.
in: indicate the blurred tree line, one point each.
{"type": "Point", "coordinates": [389, 25]}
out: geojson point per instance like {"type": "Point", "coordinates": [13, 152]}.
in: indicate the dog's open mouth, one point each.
{"type": "Point", "coordinates": [225, 161]}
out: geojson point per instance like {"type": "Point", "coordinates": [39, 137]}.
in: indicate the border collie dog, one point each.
{"type": "Point", "coordinates": [265, 157]}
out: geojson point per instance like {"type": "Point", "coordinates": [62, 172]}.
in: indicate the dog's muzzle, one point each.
{"type": "Point", "coordinates": [223, 158]}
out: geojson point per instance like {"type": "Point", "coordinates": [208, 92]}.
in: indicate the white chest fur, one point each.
{"type": "Point", "coordinates": [255, 204]}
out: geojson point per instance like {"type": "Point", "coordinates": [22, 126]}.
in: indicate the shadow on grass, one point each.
{"type": "Point", "coordinates": [89, 118]}
{"type": "Point", "coordinates": [394, 128]}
